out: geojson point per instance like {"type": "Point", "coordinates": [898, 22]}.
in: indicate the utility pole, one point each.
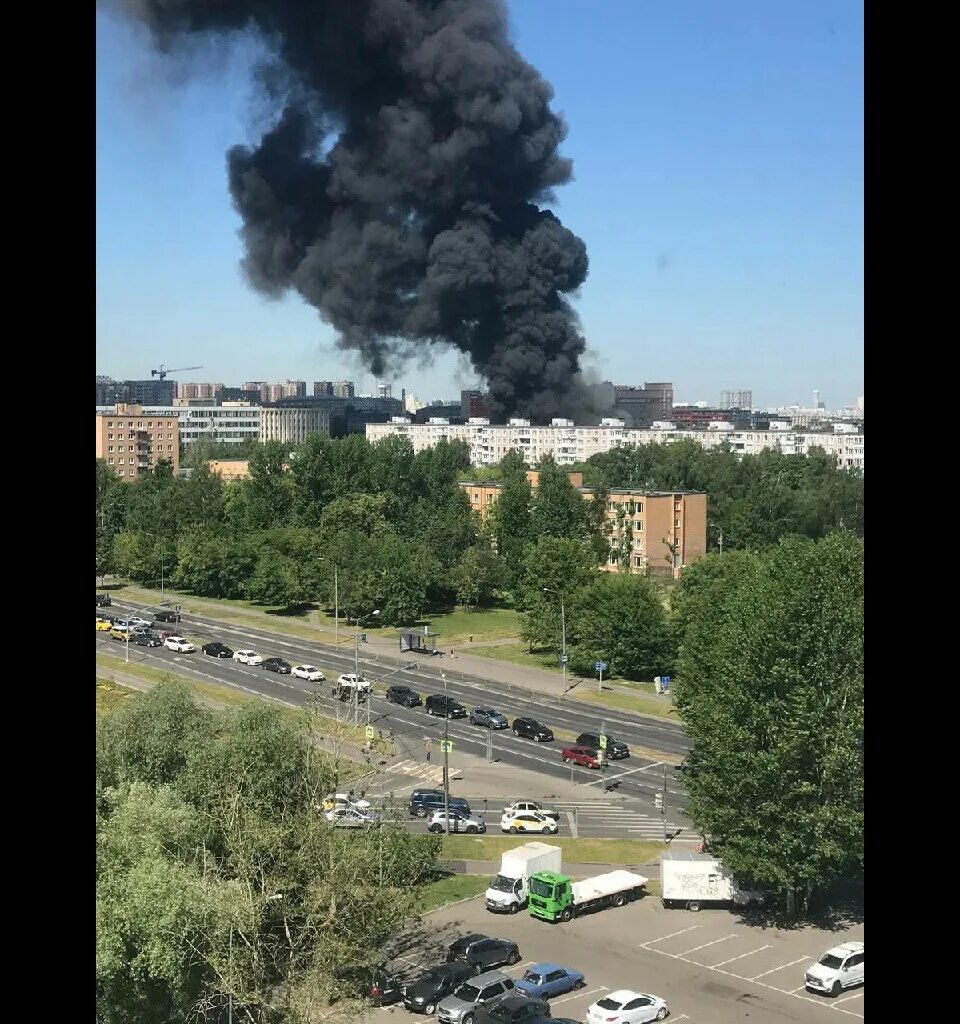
{"type": "Point", "coordinates": [663, 805]}
{"type": "Point", "coordinates": [336, 608]}
{"type": "Point", "coordinates": [721, 541]}
{"type": "Point", "coordinates": [446, 757]}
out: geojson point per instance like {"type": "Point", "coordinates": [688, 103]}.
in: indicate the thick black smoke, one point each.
{"type": "Point", "coordinates": [397, 191]}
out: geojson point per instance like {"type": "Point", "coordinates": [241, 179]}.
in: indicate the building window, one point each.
{"type": "Point", "coordinates": [109, 437]}
{"type": "Point", "coordinates": [637, 561]}
{"type": "Point", "coordinates": [110, 424]}
{"type": "Point", "coordinates": [110, 461]}
{"type": "Point", "coordinates": [169, 447]}
{"type": "Point", "coordinates": [676, 523]}
{"type": "Point", "coordinates": [110, 448]}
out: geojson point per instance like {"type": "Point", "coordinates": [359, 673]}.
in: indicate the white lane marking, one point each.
{"type": "Point", "coordinates": [846, 999]}
{"type": "Point", "coordinates": [781, 967]}
{"type": "Point", "coordinates": [620, 775]}
{"type": "Point", "coordinates": [574, 831]}
{"type": "Point", "coordinates": [724, 938]}
{"type": "Point", "coordinates": [662, 938]}
{"type": "Point", "coordinates": [575, 995]}
{"type": "Point", "coordinates": [740, 957]}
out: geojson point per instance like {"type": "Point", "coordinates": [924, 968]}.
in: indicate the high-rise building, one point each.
{"type": "Point", "coordinates": [132, 440]}
{"type": "Point", "coordinates": [641, 406]}
{"type": "Point", "coordinates": [384, 390]}
{"type": "Point", "coordinates": [323, 389]}
{"type": "Point", "coordinates": [736, 399]}
{"type": "Point", "coordinates": [136, 392]}
{"type": "Point", "coordinates": [274, 392]}
{"type": "Point", "coordinates": [343, 388]}
{"type": "Point", "coordinates": [473, 403]}
{"type": "Point", "coordinates": [294, 388]}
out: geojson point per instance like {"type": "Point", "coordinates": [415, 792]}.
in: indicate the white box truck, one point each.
{"type": "Point", "coordinates": [555, 897]}
{"type": "Point", "coordinates": [510, 889]}
{"type": "Point", "coordinates": [694, 880]}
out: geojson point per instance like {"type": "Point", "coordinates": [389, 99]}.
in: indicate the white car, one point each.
{"type": "Point", "coordinates": [519, 806]}
{"type": "Point", "coordinates": [179, 643]}
{"type": "Point", "coordinates": [528, 821]}
{"type": "Point", "coordinates": [248, 658]}
{"type": "Point", "coordinates": [351, 817]}
{"type": "Point", "coordinates": [627, 1007]}
{"type": "Point", "coordinates": [838, 968]}
{"type": "Point", "coordinates": [308, 672]}
{"type": "Point", "coordinates": [137, 622]}
{"type": "Point", "coordinates": [354, 682]}
{"type": "Point", "coordinates": [459, 822]}
{"type": "Point", "coordinates": [337, 801]}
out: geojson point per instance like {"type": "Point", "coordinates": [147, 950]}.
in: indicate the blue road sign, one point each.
{"type": "Point", "coordinates": [600, 666]}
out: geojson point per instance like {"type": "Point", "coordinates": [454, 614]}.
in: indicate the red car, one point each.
{"type": "Point", "coordinates": [583, 756]}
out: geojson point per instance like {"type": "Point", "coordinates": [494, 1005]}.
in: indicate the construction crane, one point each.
{"type": "Point", "coordinates": [162, 373]}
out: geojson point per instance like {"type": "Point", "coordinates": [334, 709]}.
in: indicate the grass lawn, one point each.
{"type": "Point", "coordinates": [576, 851]}
{"type": "Point", "coordinates": [626, 702]}
{"type": "Point", "coordinates": [451, 888]}
{"type": "Point", "coordinates": [110, 696]}
{"type": "Point", "coordinates": [518, 654]}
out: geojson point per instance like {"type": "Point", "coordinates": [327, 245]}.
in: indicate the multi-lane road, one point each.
{"type": "Point", "coordinates": [636, 778]}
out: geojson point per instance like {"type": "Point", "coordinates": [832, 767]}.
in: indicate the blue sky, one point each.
{"type": "Point", "coordinates": [718, 180]}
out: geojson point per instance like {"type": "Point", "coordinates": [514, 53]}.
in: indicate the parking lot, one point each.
{"type": "Point", "coordinates": [711, 967]}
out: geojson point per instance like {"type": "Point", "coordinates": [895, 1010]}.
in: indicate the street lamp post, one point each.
{"type": "Point", "coordinates": [563, 630]}
{"type": "Point", "coordinates": [446, 756]}
{"type": "Point", "coordinates": [356, 669]}
{"type": "Point", "coordinates": [720, 531]}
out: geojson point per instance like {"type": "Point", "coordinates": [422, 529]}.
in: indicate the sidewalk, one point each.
{"type": "Point", "coordinates": [649, 869]}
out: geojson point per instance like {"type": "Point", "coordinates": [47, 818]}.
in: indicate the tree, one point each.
{"type": "Point", "coordinates": [553, 567]}
{"type": "Point", "coordinates": [510, 516]}
{"type": "Point", "coordinates": [477, 576]}
{"type": "Point", "coordinates": [214, 563]}
{"type": "Point", "coordinates": [770, 687]}
{"type": "Point", "coordinates": [270, 491]}
{"type": "Point", "coordinates": [703, 587]}
{"type": "Point", "coordinates": [279, 580]}
{"type": "Point", "coordinates": [558, 509]}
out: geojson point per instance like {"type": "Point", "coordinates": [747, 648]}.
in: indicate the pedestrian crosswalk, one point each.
{"type": "Point", "coordinates": [428, 772]}
{"type": "Point", "coordinates": [603, 817]}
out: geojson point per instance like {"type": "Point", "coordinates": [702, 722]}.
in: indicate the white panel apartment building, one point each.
{"type": "Point", "coordinates": [231, 425]}
{"type": "Point", "coordinates": [569, 444]}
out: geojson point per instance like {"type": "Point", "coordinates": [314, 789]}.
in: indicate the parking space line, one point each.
{"type": "Point", "coordinates": [670, 936]}
{"type": "Point", "coordinates": [574, 995]}
{"type": "Point", "coordinates": [846, 999]}
{"type": "Point", "coordinates": [740, 957]}
{"type": "Point", "coordinates": [732, 935]}
{"type": "Point", "coordinates": [781, 967]}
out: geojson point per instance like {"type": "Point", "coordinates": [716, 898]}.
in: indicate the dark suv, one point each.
{"type": "Point", "coordinates": [480, 952]}
{"type": "Point", "coordinates": [423, 994]}
{"type": "Point", "coordinates": [439, 704]}
{"type": "Point", "coordinates": [104, 601]}
{"type": "Point", "coordinates": [616, 749]}
{"type": "Point", "coordinates": [167, 615]}
{"type": "Point", "coordinates": [423, 802]}
{"type": "Point", "coordinates": [403, 695]}
{"type": "Point", "coordinates": [531, 729]}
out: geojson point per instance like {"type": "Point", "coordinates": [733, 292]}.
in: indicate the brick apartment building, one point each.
{"type": "Point", "coordinates": [132, 441]}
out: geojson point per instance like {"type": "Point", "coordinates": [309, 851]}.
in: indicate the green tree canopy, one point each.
{"type": "Point", "coordinates": [553, 568]}
{"type": "Point", "coordinates": [558, 509]}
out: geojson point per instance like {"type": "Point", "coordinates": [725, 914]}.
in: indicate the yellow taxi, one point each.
{"type": "Point", "coordinates": [104, 625]}
{"type": "Point", "coordinates": [121, 632]}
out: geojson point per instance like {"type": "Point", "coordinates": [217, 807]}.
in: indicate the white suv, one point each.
{"type": "Point", "coordinates": [838, 968]}
{"type": "Point", "coordinates": [179, 643]}
{"type": "Point", "coordinates": [354, 682]}
{"type": "Point", "coordinates": [248, 658]}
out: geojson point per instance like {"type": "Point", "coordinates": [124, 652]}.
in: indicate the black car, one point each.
{"type": "Point", "coordinates": [216, 650]}
{"type": "Point", "coordinates": [616, 749]}
{"type": "Point", "coordinates": [167, 616]}
{"type": "Point", "coordinates": [481, 952]}
{"type": "Point", "coordinates": [423, 802]}
{"type": "Point", "coordinates": [423, 994]}
{"type": "Point", "coordinates": [440, 704]}
{"type": "Point", "coordinates": [514, 1010]}
{"type": "Point", "coordinates": [378, 984]}
{"type": "Point", "coordinates": [403, 695]}
{"type": "Point", "coordinates": [531, 729]}
{"type": "Point", "coordinates": [277, 665]}
{"type": "Point", "coordinates": [145, 638]}
{"type": "Point", "coordinates": [104, 601]}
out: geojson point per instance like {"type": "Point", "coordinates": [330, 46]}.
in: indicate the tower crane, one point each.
{"type": "Point", "coordinates": [162, 373]}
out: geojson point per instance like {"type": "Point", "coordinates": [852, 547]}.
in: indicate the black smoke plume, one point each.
{"type": "Point", "coordinates": [398, 188]}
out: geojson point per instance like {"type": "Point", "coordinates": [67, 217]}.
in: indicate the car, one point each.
{"type": "Point", "coordinates": [627, 1007]}
{"type": "Point", "coordinates": [104, 625]}
{"type": "Point", "coordinates": [488, 717]}
{"type": "Point", "coordinates": [136, 620]}
{"type": "Point", "coordinates": [480, 951]}
{"type": "Point", "coordinates": [444, 706]}
{"type": "Point", "coordinates": [179, 643]}
{"type": "Point", "coordinates": [404, 696]}
{"type": "Point", "coordinates": [514, 1009]}
{"type": "Point", "coordinates": [528, 821]}
{"type": "Point", "coordinates": [308, 672]}
{"type": "Point", "coordinates": [482, 991]}
{"type": "Point", "coordinates": [546, 979]}
{"type": "Point", "coordinates": [248, 658]}
{"type": "Point", "coordinates": [616, 749]}
{"type": "Point", "coordinates": [423, 802]}
{"type": "Point", "coordinates": [335, 800]}
{"type": "Point", "coordinates": [424, 993]}
{"type": "Point", "coordinates": [217, 650]}
{"type": "Point", "coordinates": [586, 757]}
{"type": "Point", "coordinates": [277, 665]}
{"type": "Point", "coordinates": [531, 729]}
{"type": "Point", "coordinates": [119, 632]}
{"type": "Point", "coordinates": [838, 968]}
{"type": "Point", "coordinates": [352, 681]}
{"type": "Point", "coordinates": [518, 806]}
{"type": "Point", "coordinates": [147, 639]}
{"type": "Point", "coordinates": [104, 600]}
{"type": "Point", "coordinates": [167, 615]}
{"type": "Point", "coordinates": [351, 817]}
{"type": "Point", "coordinates": [383, 987]}
{"type": "Point", "coordinates": [458, 822]}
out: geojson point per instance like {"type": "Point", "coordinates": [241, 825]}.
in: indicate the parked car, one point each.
{"type": "Point", "coordinates": [277, 665]}
{"type": "Point", "coordinates": [167, 615]}
{"type": "Point", "coordinates": [104, 625]}
{"type": "Point", "coordinates": [404, 696]}
{"type": "Point", "coordinates": [583, 756]}
{"type": "Point", "coordinates": [308, 672]}
{"type": "Point", "coordinates": [119, 632]}
{"type": "Point", "coordinates": [616, 749]}
{"type": "Point", "coordinates": [179, 643]}
{"type": "Point", "coordinates": [838, 968]}
{"type": "Point", "coordinates": [483, 990]}
{"type": "Point", "coordinates": [383, 987]}
{"type": "Point", "coordinates": [458, 822]}
{"type": "Point", "coordinates": [104, 600]}
{"type": "Point", "coordinates": [519, 806]}
{"type": "Point", "coordinates": [480, 951]}
{"type": "Point", "coordinates": [528, 821]}
{"type": "Point", "coordinates": [423, 994]}
{"type": "Point", "coordinates": [332, 801]}
{"type": "Point", "coordinates": [488, 717]}
{"type": "Point", "coordinates": [531, 729]}
{"type": "Point", "coordinates": [627, 1007]}
{"type": "Point", "coordinates": [217, 650]}
{"type": "Point", "coordinates": [147, 639]}
{"type": "Point", "coordinates": [514, 1009]}
{"type": "Point", "coordinates": [137, 620]}
{"type": "Point", "coordinates": [444, 706]}
{"type": "Point", "coordinates": [351, 817]}
{"type": "Point", "coordinates": [547, 979]}
{"type": "Point", "coordinates": [248, 658]}
{"type": "Point", "coordinates": [423, 802]}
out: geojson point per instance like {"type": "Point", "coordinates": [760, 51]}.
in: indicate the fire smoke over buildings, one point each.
{"type": "Point", "coordinates": [399, 187]}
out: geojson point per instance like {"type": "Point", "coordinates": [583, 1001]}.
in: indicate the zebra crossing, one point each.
{"type": "Point", "coordinates": [603, 818]}
{"type": "Point", "coordinates": [432, 773]}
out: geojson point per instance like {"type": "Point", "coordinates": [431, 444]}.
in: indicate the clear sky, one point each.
{"type": "Point", "coordinates": [718, 180]}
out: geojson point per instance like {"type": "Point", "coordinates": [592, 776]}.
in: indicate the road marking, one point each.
{"type": "Point", "coordinates": [732, 935]}
{"type": "Point", "coordinates": [846, 999]}
{"type": "Point", "coordinates": [574, 831]}
{"type": "Point", "coordinates": [575, 995]}
{"type": "Point", "coordinates": [620, 775]}
{"type": "Point", "coordinates": [781, 967]}
{"type": "Point", "coordinates": [670, 936]}
{"type": "Point", "coordinates": [740, 957]}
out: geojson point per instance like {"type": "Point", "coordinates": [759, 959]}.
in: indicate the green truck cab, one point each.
{"type": "Point", "coordinates": [556, 897]}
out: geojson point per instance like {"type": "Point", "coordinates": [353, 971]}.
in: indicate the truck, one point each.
{"type": "Point", "coordinates": [555, 897]}
{"type": "Point", "coordinates": [510, 890]}
{"type": "Point", "coordinates": [693, 880]}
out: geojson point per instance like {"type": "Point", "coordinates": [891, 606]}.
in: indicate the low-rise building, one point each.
{"type": "Point", "coordinates": [230, 423]}
{"type": "Point", "coordinates": [132, 440]}
{"type": "Point", "coordinates": [292, 424]}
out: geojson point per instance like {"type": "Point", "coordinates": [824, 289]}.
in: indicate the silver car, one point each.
{"type": "Point", "coordinates": [488, 717]}
{"type": "Point", "coordinates": [484, 990]}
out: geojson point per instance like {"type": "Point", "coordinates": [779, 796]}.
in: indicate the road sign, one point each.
{"type": "Point", "coordinates": [603, 742]}
{"type": "Point", "coordinates": [600, 666]}
{"type": "Point", "coordinates": [563, 659]}
{"type": "Point", "coordinates": [370, 731]}
{"type": "Point", "coordinates": [178, 608]}
{"type": "Point", "coordinates": [446, 746]}
{"type": "Point", "coordinates": [658, 801]}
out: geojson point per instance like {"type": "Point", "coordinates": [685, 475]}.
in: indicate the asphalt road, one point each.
{"type": "Point", "coordinates": [636, 778]}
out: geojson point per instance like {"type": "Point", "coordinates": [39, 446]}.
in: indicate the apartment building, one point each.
{"type": "Point", "coordinates": [132, 440]}
{"type": "Point", "coordinates": [228, 423]}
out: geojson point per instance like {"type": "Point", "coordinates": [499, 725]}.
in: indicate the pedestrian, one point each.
{"type": "Point", "coordinates": [426, 747]}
